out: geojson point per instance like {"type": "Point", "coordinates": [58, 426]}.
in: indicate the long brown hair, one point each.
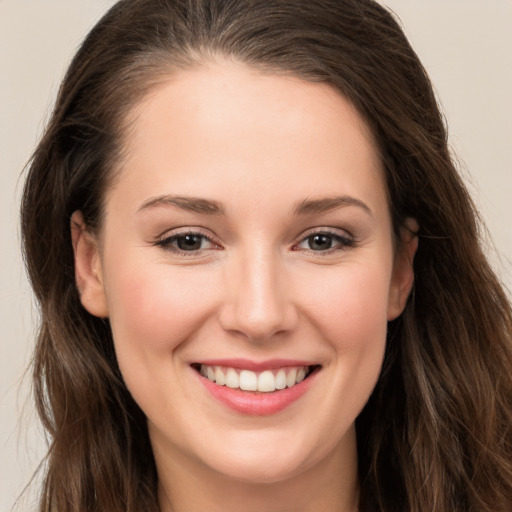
{"type": "Point", "coordinates": [436, 435]}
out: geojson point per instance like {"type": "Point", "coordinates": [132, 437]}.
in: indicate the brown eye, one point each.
{"type": "Point", "coordinates": [320, 242]}
{"type": "Point", "coordinates": [186, 243]}
{"type": "Point", "coordinates": [325, 242]}
{"type": "Point", "coordinates": [189, 242]}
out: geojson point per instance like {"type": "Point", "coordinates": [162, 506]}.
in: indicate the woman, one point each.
{"type": "Point", "coordinates": [259, 272]}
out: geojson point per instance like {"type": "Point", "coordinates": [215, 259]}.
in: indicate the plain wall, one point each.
{"type": "Point", "coordinates": [466, 46]}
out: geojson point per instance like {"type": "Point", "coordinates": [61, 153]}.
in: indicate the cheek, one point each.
{"type": "Point", "coordinates": [153, 313]}
{"type": "Point", "coordinates": [354, 324]}
{"type": "Point", "coordinates": [350, 306]}
{"type": "Point", "coordinates": [157, 309]}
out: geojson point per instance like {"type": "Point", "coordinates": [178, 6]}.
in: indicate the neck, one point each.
{"type": "Point", "coordinates": [331, 485]}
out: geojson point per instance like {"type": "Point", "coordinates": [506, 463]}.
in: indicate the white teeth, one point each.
{"type": "Point", "coordinates": [291, 378]}
{"type": "Point", "coordinates": [280, 379]}
{"type": "Point", "coordinates": [264, 382]}
{"type": "Point", "coordinates": [248, 381]}
{"type": "Point", "coordinates": [232, 379]}
{"type": "Point", "coordinates": [220, 378]}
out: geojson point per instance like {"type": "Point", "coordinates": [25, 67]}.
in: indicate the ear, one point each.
{"type": "Point", "coordinates": [402, 279]}
{"type": "Point", "coordinates": [88, 271]}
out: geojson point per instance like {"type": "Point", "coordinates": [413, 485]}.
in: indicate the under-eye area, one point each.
{"type": "Point", "coordinates": [267, 381]}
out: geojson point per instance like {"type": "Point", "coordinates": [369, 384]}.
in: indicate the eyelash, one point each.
{"type": "Point", "coordinates": [342, 242]}
{"type": "Point", "coordinates": [167, 243]}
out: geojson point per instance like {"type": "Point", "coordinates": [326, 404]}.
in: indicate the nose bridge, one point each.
{"type": "Point", "coordinates": [259, 305]}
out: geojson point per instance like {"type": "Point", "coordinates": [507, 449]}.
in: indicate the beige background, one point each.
{"type": "Point", "coordinates": [466, 46]}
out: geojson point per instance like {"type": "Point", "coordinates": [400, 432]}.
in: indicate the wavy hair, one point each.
{"type": "Point", "coordinates": [436, 434]}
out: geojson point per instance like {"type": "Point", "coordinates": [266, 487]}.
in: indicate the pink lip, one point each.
{"type": "Point", "coordinates": [256, 404]}
{"type": "Point", "coordinates": [255, 366]}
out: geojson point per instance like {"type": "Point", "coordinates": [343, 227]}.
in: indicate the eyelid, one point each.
{"type": "Point", "coordinates": [184, 230]}
{"type": "Point", "coordinates": [348, 240]}
{"type": "Point", "coordinates": [165, 239]}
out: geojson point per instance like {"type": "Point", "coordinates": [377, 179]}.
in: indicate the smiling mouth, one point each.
{"type": "Point", "coordinates": [267, 381]}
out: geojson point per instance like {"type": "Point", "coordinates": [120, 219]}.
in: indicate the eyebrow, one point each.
{"type": "Point", "coordinates": [211, 207]}
{"type": "Point", "coordinates": [326, 204]}
{"type": "Point", "coordinates": [191, 204]}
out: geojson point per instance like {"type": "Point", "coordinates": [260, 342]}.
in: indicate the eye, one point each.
{"type": "Point", "coordinates": [326, 242]}
{"type": "Point", "coordinates": [188, 242]}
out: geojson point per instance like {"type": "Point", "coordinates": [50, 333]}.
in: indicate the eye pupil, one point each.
{"type": "Point", "coordinates": [320, 242]}
{"type": "Point", "coordinates": [189, 242]}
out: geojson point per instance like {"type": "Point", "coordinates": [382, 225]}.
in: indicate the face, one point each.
{"type": "Point", "coordinates": [247, 266]}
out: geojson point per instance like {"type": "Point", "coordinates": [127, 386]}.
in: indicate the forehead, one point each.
{"type": "Point", "coordinates": [227, 128]}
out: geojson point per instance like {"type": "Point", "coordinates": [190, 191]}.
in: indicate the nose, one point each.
{"type": "Point", "coordinates": [258, 304]}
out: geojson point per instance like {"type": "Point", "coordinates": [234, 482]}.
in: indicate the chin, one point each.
{"type": "Point", "coordinates": [255, 471]}
{"type": "Point", "coordinates": [267, 459]}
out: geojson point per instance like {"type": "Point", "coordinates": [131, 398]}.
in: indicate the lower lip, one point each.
{"type": "Point", "coordinates": [257, 404]}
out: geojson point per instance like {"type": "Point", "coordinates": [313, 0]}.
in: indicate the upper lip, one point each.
{"type": "Point", "coordinates": [255, 366]}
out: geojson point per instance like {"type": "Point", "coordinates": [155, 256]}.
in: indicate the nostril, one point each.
{"type": "Point", "coordinates": [258, 328]}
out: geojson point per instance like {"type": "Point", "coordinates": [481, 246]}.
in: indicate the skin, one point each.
{"type": "Point", "coordinates": [259, 145]}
